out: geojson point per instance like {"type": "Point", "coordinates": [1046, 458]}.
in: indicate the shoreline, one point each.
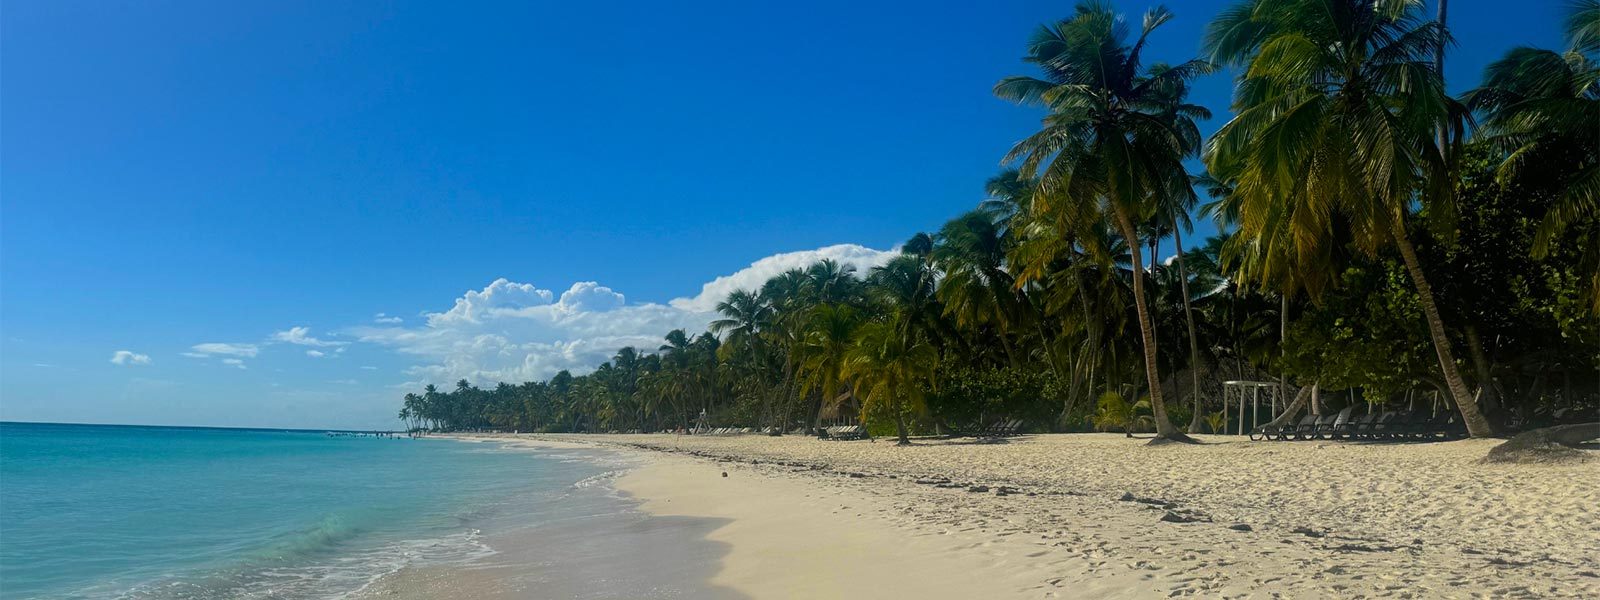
{"type": "Point", "coordinates": [1101, 516]}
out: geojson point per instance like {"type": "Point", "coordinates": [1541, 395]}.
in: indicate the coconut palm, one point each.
{"type": "Point", "coordinates": [1543, 109]}
{"type": "Point", "coordinates": [977, 291]}
{"type": "Point", "coordinates": [1335, 118]}
{"type": "Point", "coordinates": [1105, 152]}
{"type": "Point", "coordinates": [828, 334]}
{"type": "Point", "coordinates": [1175, 203]}
{"type": "Point", "coordinates": [828, 281]}
{"type": "Point", "coordinates": [889, 366]}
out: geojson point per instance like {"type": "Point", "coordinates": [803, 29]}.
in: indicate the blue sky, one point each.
{"type": "Point", "coordinates": [190, 182]}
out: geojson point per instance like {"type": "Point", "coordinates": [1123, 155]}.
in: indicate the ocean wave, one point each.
{"type": "Point", "coordinates": [336, 575]}
{"type": "Point", "coordinates": [600, 479]}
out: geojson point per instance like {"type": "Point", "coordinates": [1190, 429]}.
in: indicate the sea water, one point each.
{"type": "Point", "coordinates": [91, 511]}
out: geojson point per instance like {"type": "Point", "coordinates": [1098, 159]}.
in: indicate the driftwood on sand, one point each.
{"type": "Point", "coordinates": [1549, 444]}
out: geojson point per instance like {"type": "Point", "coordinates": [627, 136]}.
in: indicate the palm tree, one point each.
{"type": "Point", "coordinates": [828, 333]}
{"type": "Point", "coordinates": [786, 294]}
{"type": "Point", "coordinates": [827, 281]}
{"type": "Point", "coordinates": [977, 290]}
{"type": "Point", "coordinates": [907, 284]}
{"type": "Point", "coordinates": [1175, 204]}
{"type": "Point", "coordinates": [888, 366]}
{"type": "Point", "coordinates": [1543, 109]}
{"type": "Point", "coordinates": [1334, 124]}
{"type": "Point", "coordinates": [744, 313]}
{"type": "Point", "coordinates": [1104, 153]}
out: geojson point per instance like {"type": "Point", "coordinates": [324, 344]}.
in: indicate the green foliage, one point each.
{"type": "Point", "coordinates": [1368, 332]}
{"type": "Point", "coordinates": [968, 398]}
{"type": "Point", "coordinates": [1113, 412]}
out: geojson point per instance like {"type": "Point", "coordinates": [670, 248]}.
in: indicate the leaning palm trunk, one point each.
{"type": "Point", "coordinates": [1290, 412]}
{"type": "Point", "coordinates": [1194, 343]}
{"type": "Point", "coordinates": [1477, 425]}
{"type": "Point", "coordinates": [1164, 427]}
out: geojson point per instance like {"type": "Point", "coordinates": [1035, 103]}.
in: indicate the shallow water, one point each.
{"type": "Point", "coordinates": [152, 512]}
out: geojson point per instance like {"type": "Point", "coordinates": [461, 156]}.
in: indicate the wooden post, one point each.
{"type": "Point", "coordinates": [1241, 411]}
{"type": "Point", "coordinates": [1255, 408]}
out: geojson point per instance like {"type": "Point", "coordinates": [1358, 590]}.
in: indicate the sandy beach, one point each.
{"type": "Point", "coordinates": [1103, 516]}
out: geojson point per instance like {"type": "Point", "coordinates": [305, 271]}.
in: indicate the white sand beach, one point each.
{"type": "Point", "coordinates": [1082, 516]}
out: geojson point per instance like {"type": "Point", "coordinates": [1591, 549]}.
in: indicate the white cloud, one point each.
{"type": "Point", "coordinates": [302, 336]}
{"type": "Point", "coordinates": [128, 358]}
{"type": "Point", "coordinates": [751, 277]}
{"type": "Point", "coordinates": [234, 362]}
{"type": "Point", "coordinates": [316, 353]}
{"type": "Point", "coordinates": [514, 332]}
{"type": "Point", "coordinates": [386, 319]}
{"type": "Point", "coordinates": [217, 348]}
{"type": "Point", "coordinates": [365, 368]}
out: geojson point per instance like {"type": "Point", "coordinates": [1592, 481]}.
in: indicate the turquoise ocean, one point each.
{"type": "Point", "coordinates": [92, 511]}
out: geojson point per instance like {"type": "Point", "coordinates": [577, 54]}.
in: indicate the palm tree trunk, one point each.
{"type": "Point", "coordinates": [1488, 392]}
{"type": "Point", "coordinates": [1194, 343]}
{"type": "Point", "coordinates": [1477, 425]}
{"type": "Point", "coordinates": [900, 425]}
{"type": "Point", "coordinates": [1293, 409]}
{"type": "Point", "coordinates": [1283, 344]}
{"type": "Point", "coordinates": [1164, 428]}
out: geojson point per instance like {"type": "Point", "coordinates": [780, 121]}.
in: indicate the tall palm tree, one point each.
{"type": "Point", "coordinates": [1543, 109]}
{"type": "Point", "coordinates": [828, 334]}
{"type": "Point", "coordinates": [1335, 119]}
{"type": "Point", "coordinates": [887, 366]}
{"type": "Point", "coordinates": [977, 290]}
{"type": "Point", "coordinates": [744, 313]}
{"type": "Point", "coordinates": [906, 284]}
{"type": "Point", "coordinates": [1176, 202]}
{"type": "Point", "coordinates": [1104, 152]}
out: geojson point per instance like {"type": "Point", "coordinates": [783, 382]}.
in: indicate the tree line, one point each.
{"type": "Point", "coordinates": [1381, 239]}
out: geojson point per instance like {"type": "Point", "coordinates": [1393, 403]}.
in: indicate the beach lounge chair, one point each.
{"type": "Point", "coordinates": [1352, 425]}
{"type": "Point", "coordinates": [1270, 432]}
{"type": "Point", "coordinates": [1416, 426]}
{"type": "Point", "coordinates": [1304, 431]}
{"type": "Point", "coordinates": [1384, 427]}
{"type": "Point", "coordinates": [1326, 430]}
{"type": "Point", "coordinates": [1363, 427]}
{"type": "Point", "coordinates": [1004, 428]}
{"type": "Point", "coordinates": [849, 432]}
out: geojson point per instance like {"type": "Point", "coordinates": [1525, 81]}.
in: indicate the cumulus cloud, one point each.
{"type": "Point", "coordinates": [234, 362]}
{"type": "Point", "coordinates": [510, 331]}
{"type": "Point", "coordinates": [129, 358]}
{"type": "Point", "coordinates": [302, 336]}
{"type": "Point", "coordinates": [386, 319]}
{"type": "Point", "coordinates": [209, 349]}
{"type": "Point", "coordinates": [316, 353]}
{"type": "Point", "coordinates": [751, 277]}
